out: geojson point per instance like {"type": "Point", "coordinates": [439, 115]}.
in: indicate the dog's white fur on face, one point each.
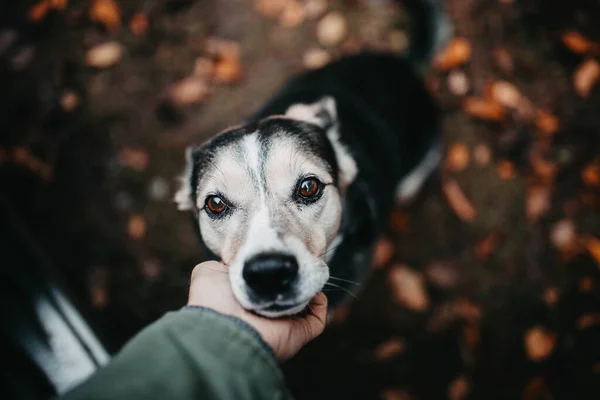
{"type": "Point", "coordinates": [264, 218]}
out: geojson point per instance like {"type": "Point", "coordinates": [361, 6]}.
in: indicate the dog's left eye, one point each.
{"type": "Point", "coordinates": [309, 189]}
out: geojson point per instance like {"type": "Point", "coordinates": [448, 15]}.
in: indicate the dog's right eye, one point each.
{"type": "Point", "coordinates": [215, 205]}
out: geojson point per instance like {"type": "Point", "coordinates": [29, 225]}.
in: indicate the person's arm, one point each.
{"type": "Point", "coordinates": [211, 349]}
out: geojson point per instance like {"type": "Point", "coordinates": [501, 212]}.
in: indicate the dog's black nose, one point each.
{"type": "Point", "coordinates": [270, 274]}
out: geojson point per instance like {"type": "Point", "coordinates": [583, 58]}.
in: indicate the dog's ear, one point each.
{"type": "Point", "coordinates": [183, 196]}
{"type": "Point", "coordinates": [324, 114]}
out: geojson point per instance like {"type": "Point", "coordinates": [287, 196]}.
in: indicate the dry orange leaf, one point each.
{"type": "Point", "coordinates": [485, 109]}
{"type": "Point", "coordinates": [591, 174]}
{"type": "Point", "coordinates": [107, 13]}
{"type": "Point", "coordinates": [69, 101]}
{"type": "Point", "coordinates": [228, 70]}
{"type": "Point", "coordinates": [576, 42]}
{"type": "Point", "coordinates": [458, 201]}
{"type": "Point", "coordinates": [389, 349]}
{"type": "Point", "coordinates": [458, 83]}
{"type": "Point", "coordinates": [459, 388]}
{"type": "Point", "coordinates": [505, 93]}
{"type": "Point", "coordinates": [455, 54]}
{"type": "Point", "coordinates": [588, 320]}
{"type": "Point", "coordinates": [546, 122]}
{"type": "Point", "coordinates": [104, 55]}
{"type": "Point", "coordinates": [551, 296]}
{"type": "Point", "coordinates": [485, 247]}
{"type": "Point", "coordinates": [59, 4]}
{"type": "Point", "coordinates": [293, 14]}
{"type": "Point", "coordinates": [409, 289]}
{"type": "Point", "coordinates": [139, 24]}
{"type": "Point", "coordinates": [585, 77]}
{"type": "Point", "coordinates": [315, 58]}
{"type": "Point", "coordinates": [539, 343]}
{"type": "Point", "coordinates": [38, 11]}
{"type": "Point", "coordinates": [189, 91]}
{"type": "Point", "coordinates": [538, 202]}
{"type": "Point", "coordinates": [136, 227]}
{"type": "Point", "coordinates": [506, 170]}
{"type": "Point", "coordinates": [593, 247]}
{"type": "Point", "coordinates": [332, 29]}
{"type": "Point", "coordinates": [384, 252]}
{"type": "Point", "coordinates": [315, 8]}
{"type": "Point", "coordinates": [134, 158]}
{"type": "Point", "coordinates": [482, 154]}
{"type": "Point", "coordinates": [563, 235]}
{"type": "Point", "coordinates": [269, 8]}
{"type": "Point", "coordinates": [457, 158]}
{"type": "Point", "coordinates": [543, 169]}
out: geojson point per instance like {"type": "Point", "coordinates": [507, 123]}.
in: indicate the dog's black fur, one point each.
{"type": "Point", "coordinates": [387, 120]}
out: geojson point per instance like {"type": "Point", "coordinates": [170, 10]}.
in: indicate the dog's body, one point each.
{"type": "Point", "coordinates": [360, 133]}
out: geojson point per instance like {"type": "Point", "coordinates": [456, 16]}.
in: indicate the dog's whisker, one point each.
{"type": "Point", "coordinates": [342, 288]}
{"type": "Point", "coordinates": [344, 280]}
{"type": "Point", "coordinates": [328, 250]}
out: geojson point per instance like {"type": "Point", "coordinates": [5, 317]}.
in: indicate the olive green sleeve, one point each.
{"type": "Point", "coordinates": [193, 353]}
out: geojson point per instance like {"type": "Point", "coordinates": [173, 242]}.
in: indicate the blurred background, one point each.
{"type": "Point", "coordinates": [486, 287]}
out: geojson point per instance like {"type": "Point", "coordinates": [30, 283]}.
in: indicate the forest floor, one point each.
{"type": "Point", "coordinates": [488, 286]}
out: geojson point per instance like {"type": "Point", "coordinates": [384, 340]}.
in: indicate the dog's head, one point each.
{"type": "Point", "coordinates": [268, 198]}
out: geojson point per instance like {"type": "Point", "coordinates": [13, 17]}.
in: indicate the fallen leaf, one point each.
{"type": "Point", "coordinates": [104, 55]}
{"type": "Point", "coordinates": [270, 8]}
{"type": "Point", "coordinates": [219, 47]}
{"type": "Point", "coordinates": [576, 42]}
{"type": "Point", "coordinates": [69, 101]}
{"type": "Point", "coordinates": [293, 14]}
{"type": "Point", "coordinates": [204, 67]}
{"type": "Point", "coordinates": [485, 247]}
{"type": "Point", "coordinates": [409, 289]}
{"type": "Point", "coordinates": [538, 202]}
{"type": "Point", "coordinates": [506, 170]}
{"type": "Point", "coordinates": [383, 253]}
{"type": "Point", "coordinates": [585, 77]}
{"type": "Point", "coordinates": [315, 9]}
{"type": "Point", "coordinates": [463, 208]}
{"type": "Point", "coordinates": [189, 91]}
{"type": "Point", "coordinates": [590, 174]}
{"type": "Point", "coordinates": [389, 349]}
{"type": "Point", "coordinates": [504, 60]}
{"type": "Point", "coordinates": [315, 58]}
{"type": "Point", "coordinates": [59, 4]}
{"type": "Point", "coordinates": [505, 94]}
{"type": "Point", "coordinates": [467, 310]}
{"type": "Point", "coordinates": [546, 123]}
{"type": "Point", "coordinates": [485, 109]}
{"type": "Point", "coordinates": [545, 170]}
{"type": "Point", "coordinates": [551, 296]}
{"type": "Point", "coordinates": [134, 158]}
{"type": "Point", "coordinates": [593, 247]}
{"type": "Point", "coordinates": [107, 13]}
{"type": "Point", "coordinates": [458, 83]}
{"type": "Point", "coordinates": [482, 154]}
{"type": "Point", "coordinates": [588, 320]}
{"type": "Point", "coordinates": [457, 52]}
{"type": "Point", "coordinates": [332, 29]}
{"type": "Point", "coordinates": [228, 70]}
{"type": "Point", "coordinates": [459, 388]}
{"type": "Point", "coordinates": [136, 227]}
{"type": "Point", "coordinates": [539, 343]}
{"type": "Point", "coordinates": [151, 269]}
{"type": "Point", "coordinates": [471, 336]}
{"type": "Point", "coordinates": [442, 274]}
{"type": "Point", "coordinates": [139, 24]}
{"type": "Point", "coordinates": [457, 157]}
{"type": "Point", "coordinates": [38, 11]}
{"type": "Point", "coordinates": [563, 235]}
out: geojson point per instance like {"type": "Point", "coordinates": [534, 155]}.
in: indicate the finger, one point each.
{"type": "Point", "coordinates": [314, 322]}
{"type": "Point", "coordinates": [208, 268]}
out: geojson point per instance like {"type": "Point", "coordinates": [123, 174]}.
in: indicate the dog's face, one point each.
{"type": "Point", "coordinates": [268, 197]}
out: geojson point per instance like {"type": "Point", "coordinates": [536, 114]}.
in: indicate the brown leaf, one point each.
{"type": "Point", "coordinates": [456, 53]}
{"type": "Point", "coordinates": [383, 254]}
{"type": "Point", "coordinates": [586, 284]}
{"type": "Point", "coordinates": [270, 8]}
{"type": "Point", "coordinates": [107, 13]}
{"type": "Point", "coordinates": [204, 67]}
{"type": "Point", "coordinates": [228, 70]}
{"type": "Point", "coordinates": [506, 170]}
{"type": "Point", "coordinates": [588, 320]}
{"type": "Point", "coordinates": [482, 154]}
{"type": "Point", "coordinates": [471, 336]}
{"type": "Point", "coordinates": [442, 274]}
{"type": "Point", "coordinates": [136, 227]}
{"type": "Point", "coordinates": [104, 55]}
{"type": "Point", "coordinates": [485, 109]}
{"type": "Point", "coordinates": [390, 349]}
{"type": "Point", "coordinates": [458, 83]}
{"type": "Point", "coordinates": [545, 170]}
{"type": "Point", "coordinates": [546, 123]}
{"type": "Point", "coordinates": [457, 157]}
{"type": "Point", "coordinates": [134, 158]}
{"type": "Point", "coordinates": [539, 343]}
{"type": "Point", "coordinates": [563, 235]}
{"type": "Point", "coordinates": [59, 4]}
{"type": "Point", "coordinates": [538, 202]}
{"type": "Point", "coordinates": [189, 91]}
{"type": "Point", "coordinates": [576, 42]}
{"type": "Point", "coordinates": [332, 29]}
{"type": "Point", "coordinates": [315, 9]}
{"type": "Point", "coordinates": [408, 287]}
{"type": "Point", "coordinates": [38, 11]}
{"type": "Point", "coordinates": [69, 101]}
{"type": "Point", "coordinates": [485, 247]}
{"type": "Point", "coordinates": [459, 388]}
{"type": "Point", "coordinates": [551, 296]}
{"type": "Point", "coordinates": [505, 94]}
{"type": "Point", "coordinates": [457, 200]}
{"type": "Point", "coordinates": [504, 60]}
{"type": "Point", "coordinates": [338, 316]}
{"type": "Point", "coordinates": [585, 77]}
{"type": "Point", "coordinates": [315, 58]}
{"type": "Point", "coordinates": [590, 174]}
{"type": "Point", "coordinates": [467, 310]}
{"type": "Point", "coordinates": [139, 24]}
{"type": "Point", "coordinates": [293, 14]}
{"type": "Point", "coordinates": [593, 247]}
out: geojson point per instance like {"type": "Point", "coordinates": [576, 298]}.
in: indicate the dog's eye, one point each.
{"type": "Point", "coordinates": [309, 188]}
{"type": "Point", "coordinates": [215, 205]}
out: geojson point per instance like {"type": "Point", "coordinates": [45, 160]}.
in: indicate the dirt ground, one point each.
{"type": "Point", "coordinates": [487, 287]}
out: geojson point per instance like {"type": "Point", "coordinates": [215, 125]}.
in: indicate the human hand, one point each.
{"type": "Point", "coordinates": [210, 288]}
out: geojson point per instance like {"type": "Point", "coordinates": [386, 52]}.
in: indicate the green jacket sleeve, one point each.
{"type": "Point", "coordinates": [193, 353]}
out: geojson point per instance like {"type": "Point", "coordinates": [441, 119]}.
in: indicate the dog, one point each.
{"type": "Point", "coordinates": [298, 194]}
